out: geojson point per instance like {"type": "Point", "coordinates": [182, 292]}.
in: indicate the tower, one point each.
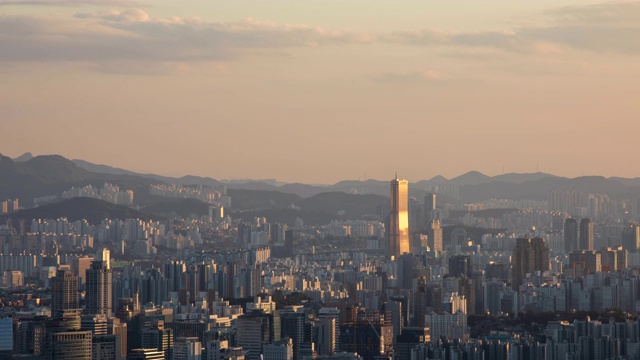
{"type": "Point", "coordinates": [434, 236]}
{"type": "Point", "coordinates": [64, 291]}
{"type": "Point", "coordinates": [399, 218]}
{"type": "Point", "coordinates": [99, 287]}
{"type": "Point", "coordinates": [586, 234]}
{"type": "Point", "coordinates": [570, 234]}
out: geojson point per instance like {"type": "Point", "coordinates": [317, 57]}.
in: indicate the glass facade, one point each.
{"type": "Point", "coordinates": [6, 334]}
{"type": "Point", "coordinates": [399, 218]}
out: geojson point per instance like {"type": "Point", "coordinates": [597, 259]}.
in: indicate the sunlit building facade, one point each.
{"type": "Point", "coordinates": [399, 218]}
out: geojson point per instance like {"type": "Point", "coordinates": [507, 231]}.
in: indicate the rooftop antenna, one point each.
{"type": "Point", "coordinates": [396, 175]}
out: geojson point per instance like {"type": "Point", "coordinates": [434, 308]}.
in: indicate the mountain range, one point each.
{"type": "Point", "coordinates": [29, 176]}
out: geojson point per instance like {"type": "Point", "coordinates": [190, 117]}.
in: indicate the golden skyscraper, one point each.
{"type": "Point", "coordinates": [399, 218]}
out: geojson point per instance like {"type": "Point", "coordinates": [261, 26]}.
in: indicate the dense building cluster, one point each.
{"type": "Point", "coordinates": [413, 284]}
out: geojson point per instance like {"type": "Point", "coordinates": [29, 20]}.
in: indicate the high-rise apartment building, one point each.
{"type": "Point", "coordinates": [399, 218]}
{"type": "Point", "coordinates": [528, 256]}
{"type": "Point", "coordinates": [570, 234]}
{"type": "Point", "coordinates": [64, 291]}
{"type": "Point", "coordinates": [99, 287]}
{"type": "Point", "coordinates": [584, 262]}
{"type": "Point", "coordinates": [586, 234]}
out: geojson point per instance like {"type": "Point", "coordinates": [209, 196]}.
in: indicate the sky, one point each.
{"type": "Point", "coordinates": [319, 91]}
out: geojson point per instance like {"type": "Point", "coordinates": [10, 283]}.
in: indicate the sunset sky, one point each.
{"type": "Point", "coordinates": [318, 91]}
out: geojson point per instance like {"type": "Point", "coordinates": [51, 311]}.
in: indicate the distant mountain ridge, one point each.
{"type": "Point", "coordinates": [30, 173]}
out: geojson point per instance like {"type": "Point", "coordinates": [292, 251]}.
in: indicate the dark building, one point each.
{"type": "Point", "coordinates": [256, 329]}
{"type": "Point", "coordinates": [365, 337]}
{"type": "Point", "coordinates": [29, 336]}
{"type": "Point", "coordinates": [408, 340]}
{"type": "Point", "coordinates": [460, 266]}
{"type": "Point", "coordinates": [529, 255]}
{"type": "Point", "coordinates": [496, 270]}
{"type": "Point", "coordinates": [160, 338]}
{"type": "Point", "coordinates": [64, 292]}
{"type": "Point", "coordinates": [631, 238]}
{"type": "Point", "coordinates": [99, 300]}
{"type": "Point", "coordinates": [292, 325]}
{"type": "Point", "coordinates": [570, 234]}
{"type": "Point", "coordinates": [586, 234]}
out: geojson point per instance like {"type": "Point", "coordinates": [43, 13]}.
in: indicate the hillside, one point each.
{"type": "Point", "coordinates": [93, 210]}
{"type": "Point", "coordinates": [343, 204]}
{"type": "Point", "coordinates": [52, 174]}
{"type": "Point", "coordinates": [260, 199]}
{"type": "Point", "coordinates": [169, 207]}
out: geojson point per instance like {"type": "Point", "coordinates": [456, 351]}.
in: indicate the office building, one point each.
{"type": "Point", "coordinates": [69, 345]}
{"type": "Point", "coordinates": [158, 337]}
{"type": "Point", "coordinates": [292, 325]}
{"type": "Point", "coordinates": [399, 218]}
{"type": "Point", "coordinates": [64, 291]}
{"type": "Point", "coordinates": [280, 350]}
{"type": "Point", "coordinates": [6, 336]}
{"type": "Point", "coordinates": [65, 339]}
{"type": "Point", "coordinates": [187, 348]}
{"type": "Point", "coordinates": [99, 287]}
{"type": "Point", "coordinates": [105, 347]}
{"type": "Point", "coordinates": [256, 329]}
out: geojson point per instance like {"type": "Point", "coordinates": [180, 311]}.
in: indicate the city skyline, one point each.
{"type": "Point", "coordinates": [304, 93]}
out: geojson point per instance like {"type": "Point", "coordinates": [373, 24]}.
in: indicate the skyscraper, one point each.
{"type": "Point", "coordinates": [528, 256]}
{"type": "Point", "coordinates": [64, 291]}
{"type": "Point", "coordinates": [399, 218]}
{"type": "Point", "coordinates": [460, 266]}
{"type": "Point", "coordinates": [631, 238]}
{"type": "Point", "coordinates": [434, 236]}
{"type": "Point", "coordinates": [570, 234]}
{"type": "Point", "coordinates": [99, 287]}
{"type": "Point", "coordinates": [586, 234]}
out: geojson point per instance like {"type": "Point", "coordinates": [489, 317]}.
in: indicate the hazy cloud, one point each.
{"type": "Point", "coordinates": [618, 13]}
{"type": "Point", "coordinates": [135, 35]}
{"type": "Point", "coordinates": [120, 3]}
{"type": "Point", "coordinates": [611, 27]}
